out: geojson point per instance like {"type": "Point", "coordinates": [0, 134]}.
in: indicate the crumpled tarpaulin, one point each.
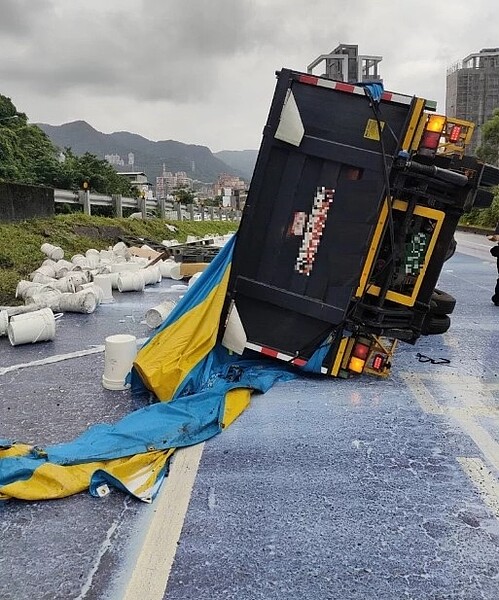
{"type": "Point", "coordinates": [202, 388]}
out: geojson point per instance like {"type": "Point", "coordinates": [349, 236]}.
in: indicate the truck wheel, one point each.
{"type": "Point", "coordinates": [451, 250]}
{"type": "Point", "coordinates": [441, 303]}
{"type": "Point", "coordinates": [435, 324]}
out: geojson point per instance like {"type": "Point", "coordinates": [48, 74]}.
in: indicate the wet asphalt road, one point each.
{"type": "Point", "coordinates": [358, 489]}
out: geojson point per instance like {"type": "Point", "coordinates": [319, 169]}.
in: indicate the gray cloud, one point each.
{"type": "Point", "coordinates": [20, 17]}
{"type": "Point", "coordinates": [203, 72]}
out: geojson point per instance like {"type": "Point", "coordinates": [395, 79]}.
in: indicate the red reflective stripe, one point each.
{"type": "Point", "coordinates": [310, 79]}
{"type": "Point", "coordinates": [345, 87]}
{"type": "Point", "coordinates": [269, 352]}
{"type": "Point", "coordinates": [387, 96]}
{"type": "Point", "coordinates": [299, 362]}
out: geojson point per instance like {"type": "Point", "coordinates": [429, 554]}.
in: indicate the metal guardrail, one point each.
{"type": "Point", "coordinates": [162, 208]}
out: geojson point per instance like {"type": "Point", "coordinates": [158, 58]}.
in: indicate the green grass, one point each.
{"type": "Point", "coordinates": [20, 242]}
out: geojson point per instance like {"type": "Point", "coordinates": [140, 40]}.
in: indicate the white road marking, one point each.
{"type": "Point", "coordinates": [486, 483]}
{"type": "Point", "coordinates": [421, 393]}
{"type": "Point", "coordinates": [467, 392]}
{"type": "Point", "coordinates": [58, 358]}
{"type": "Point", "coordinates": [152, 568]}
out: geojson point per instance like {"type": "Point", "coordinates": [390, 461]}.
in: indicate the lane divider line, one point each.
{"type": "Point", "coordinates": [154, 562]}
{"type": "Point", "coordinates": [58, 358]}
{"type": "Point", "coordinates": [420, 392]}
{"type": "Point", "coordinates": [486, 483]}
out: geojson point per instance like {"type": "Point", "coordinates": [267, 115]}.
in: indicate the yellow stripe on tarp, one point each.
{"type": "Point", "coordinates": [170, 356]}
{"type": "Point", "coordinates": [49, 481]}
{"type": "Point", "coordinates": [15, 450]}
{"type": "Point", "coordinates": [236, 402]}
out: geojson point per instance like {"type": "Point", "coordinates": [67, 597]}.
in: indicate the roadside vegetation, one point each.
{"type": "Point", "coordinates": [20, 242]}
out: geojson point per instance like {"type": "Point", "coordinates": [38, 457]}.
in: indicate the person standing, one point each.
{"type": "Point", "coordinates": [495, 252]}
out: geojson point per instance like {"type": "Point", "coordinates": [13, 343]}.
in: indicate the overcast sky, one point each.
{"type": "Point", "coordinates": [203, 71]}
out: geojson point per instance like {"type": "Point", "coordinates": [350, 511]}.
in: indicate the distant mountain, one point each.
{"type": "Point", "coordinates": [241, 160]}
{"type": "Point", "coordinates": [197, 161]}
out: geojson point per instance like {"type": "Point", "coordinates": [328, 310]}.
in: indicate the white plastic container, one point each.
{"type": "Point", "coordinates": [4, 322]}
{"type": "Point", "coordinates": [47, 269]}
{"type": "Point", "coordinates": [119, 354]}
{"type": "Point", "coordinates": [194, 278]}
{"type": "Point", "coordinates": [131, 282]}
{"type": "Point", "coordinates": [84, 301]}
{"type": "Point", "coordinates": [172, 270]}
{"type": "Point", "coordinates": [46, 297]}
{"type": "Point", "coordinates": [37, 326]}
{"type": "Point", "coordinates": [37, 277]}
{"type": "Point", "coordinates": [53, 252]}
{"type": "Point", "coordinates": [122, 267]}
{"type": "Point", "coordinates": [151, 275]}
{"type": "Point", "coordinates": [103, 282]}
{"type": "Point", "coordinates": [157, 314]}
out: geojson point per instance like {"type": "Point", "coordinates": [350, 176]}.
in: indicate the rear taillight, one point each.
{"type": "Point", "coordinates": [378, 362]}
{"type": "Point", "coordinates": [432, 134]}
{"type": "Point", "coordinates": [360, 350]}
{"type": "Point", "coordinates": [455, 133]}
{"type": "Point", "coordinates": [358, 358]}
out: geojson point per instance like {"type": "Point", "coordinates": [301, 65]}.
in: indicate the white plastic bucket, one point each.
{"type": "Point", "coordinates": [114, 280]}
{"type": "Point", "coordinates": [123, 267]}
{"type": "Point", "coordinates": [46, 297]}
{"type": "Point", "coordinates": [172, 270]}
{"type": "Point", "coordinates": [119, 354]}
{"type": "Point", "coordinates": [84, 301]}
{"type": "Point", "coordinates": [80, 260]}
{"type": "Point", "coordinates": [151, 275]}
{"type": "Point", "coordinates": [194, 278]}
{"type": "Point", "coordinates": [4, 322]}
{"type": "Point", "coordinates": [53, 252]}
{"type": "Point", "coordinates": [106, 255]}
{"type": "Point", "coordinates": [92, 288]}
{"type": "Point", "coordinates": [157, 314]}
{"type": "Point", "coordinates": [131, 282]}
{"type": "Point", "coordinates": [24, 288]}
{"type": "Point", "coordinates": [37, 326]}
{"type": "Point", "coordinates": [77, 278]}
{"type": "Point", "coordinates": [47, 269]}
{"type": "Point", "coordinates": [103, 281]}
{"type": "Point", "coordinates": [37, 277]}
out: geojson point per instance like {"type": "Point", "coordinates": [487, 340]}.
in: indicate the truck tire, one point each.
{"type": "Point", "coordinates": [435, 324]}
{"type": "Point", "coordinates": [441, 303]}
{"type": "Point", "coordinates": [451, 250]}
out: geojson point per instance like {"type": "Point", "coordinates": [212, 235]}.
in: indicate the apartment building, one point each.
{"type": "Point", "coordinates": [472, 89]}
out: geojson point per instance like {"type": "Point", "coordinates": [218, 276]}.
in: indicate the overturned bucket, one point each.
{"type": "Point", "coordinates": [157, 314]}
{"type": "Point", "coordinates": [4, 322]}
{"type": "Point", "coordinates": [36, 326]}
{"type": "Point", "coordinates": [119, 354]}
{"type": "Point", "coordinates": [171, 269]}
{"type": "Point", "coordinates": [131, 282]}
{"type": "Point", "coordinates": [53, 252]}
{"type": "Point", "coordinates": [104, 282]}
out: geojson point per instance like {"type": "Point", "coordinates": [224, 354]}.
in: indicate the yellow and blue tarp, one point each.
{"type": "Point", "coordinates": [202, 388]}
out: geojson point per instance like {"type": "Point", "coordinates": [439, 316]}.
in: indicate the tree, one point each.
{"type": "Point", "coordinates": [28, 156]}
{"type": "Point", "coordinates": [488, 151]}
{"type": "Point", "coordinates": [183, 195]}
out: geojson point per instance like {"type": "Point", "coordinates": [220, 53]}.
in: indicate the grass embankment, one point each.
{"type": "Point", "coordinates": [20, 243]}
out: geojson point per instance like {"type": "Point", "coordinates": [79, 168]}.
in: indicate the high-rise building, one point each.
{"type": "Point", "coordinates": [472, 90]}
{"type": "Point", "coordinates": [344, 63]}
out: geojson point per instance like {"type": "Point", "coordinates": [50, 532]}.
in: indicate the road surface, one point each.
{"type": "Point", "coordinates": [323, 489]}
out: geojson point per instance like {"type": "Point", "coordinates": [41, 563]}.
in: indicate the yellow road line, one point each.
{"type": "Point", "coordinates": [486, 483]}
{"type": "Point", "coordinates": [152, 569]}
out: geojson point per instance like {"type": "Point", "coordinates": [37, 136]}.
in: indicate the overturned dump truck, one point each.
{"type": "Point", "coordinates": [350, 215]}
